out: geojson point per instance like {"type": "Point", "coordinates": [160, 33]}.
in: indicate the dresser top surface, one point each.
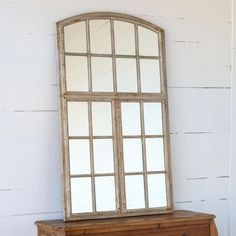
{"type": "Point", "coordinates": [175, 217]}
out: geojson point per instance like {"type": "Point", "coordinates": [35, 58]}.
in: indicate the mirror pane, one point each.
{"type": "Point", "coordinates": [102, 118]}
{"type": "Point", "coordinates": [103, 156]}
{"type": "Point", "coordinates": [124, 38]}
{"type": "Point", "coordinates": [157, 190]}
{"type": "Point", "coordinates": [75, 37]}
{"type": "Point", "coordinates": [148, 42]}
{"type": "Point", "coordinates": [134, 189]}
{"type": "Point", "coordinates": [100, 36]}
{"type": "Point", "coordinates": [130, 118]}
{"type": "Point", "coordinates": [150, 76]}
{"type": "Point", "coordinates": [81, 195]}
{"type": "Point", "coordinates": [105, 193]}
{"type": "Point", "coordinates": [76, 73]}
{"type": "Point", "coordinates": [79, 157]}
{"type": "Point", "coordinates": [133, 161]}
{"type": "Point", "coordinates": [126, 75]}
{"type": "Point", "coordinates": [153, 119]}
{"type": "Point", "coordinates": [78, 118]}
{"type": "Point", "coordinates": [102, 75]}
{"type": "Point", "coordinates": [155, 154]}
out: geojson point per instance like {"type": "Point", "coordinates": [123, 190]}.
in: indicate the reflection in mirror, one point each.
{"type": "Point", "coordinates": [155, 154]}
{"type": "Point", "coordinates": [126, 75]}
{"type": "Point", "coordinates": [76, 73]}
{"type": "Point", "coordinates": [133, 161]}
{"type": "Point", "coordinates": [75, 38]}
{"type": "Point", "coordinates": [100, 36]}
{"type": "Point", "coordinates": [81, 195]}
{"type": "Point", "coordinates": [153, 119]}
{"type": "Point", "coordinates": [157, 190]}
{"type": "Point", "coordinates": [102, 120]}
{"type": "Point", "coordinates": [148, 42]}
{"type": "Point", "coordinates": [103, 156]}
{"type": "Point", "coordinates": [105, 193]}
{"type": "Point", "coordinates": [124, 38]}
{"type": "Point", "coordinates": [134, 189]}
{"type": "Point", "coordinates": [150, 76]}
{"type": "Point", "coordinates": [130, 118]}
{"type": "Point", "coordinates": [102, 75]}
{"type": "Point", "coordinates": [79, 157]}
{"type": "Point", "coordinates": [78, 118]}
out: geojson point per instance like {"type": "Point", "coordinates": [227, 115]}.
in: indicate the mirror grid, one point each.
{"type": "Point", "coordinates": [117, 154]}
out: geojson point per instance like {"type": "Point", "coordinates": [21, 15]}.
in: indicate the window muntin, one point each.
{"type": "Point", "coordinates": [114, 111]}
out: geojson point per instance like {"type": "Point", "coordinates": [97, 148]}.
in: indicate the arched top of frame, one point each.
{"type": "Point", "coordinates": [109, 15]}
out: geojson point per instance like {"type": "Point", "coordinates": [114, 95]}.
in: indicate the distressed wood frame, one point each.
{"type": "Point", "coordinates": [116, 99]}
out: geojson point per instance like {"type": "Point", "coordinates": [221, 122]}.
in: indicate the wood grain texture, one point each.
{"type": "Point", "coordinates": [179, 223]}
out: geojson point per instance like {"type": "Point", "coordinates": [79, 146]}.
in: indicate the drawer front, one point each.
{"type": "Point", "coordinates": [198, 231]}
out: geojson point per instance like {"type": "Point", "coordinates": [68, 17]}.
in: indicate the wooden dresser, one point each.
{"type": "Point", "coordinates": [180, 223]}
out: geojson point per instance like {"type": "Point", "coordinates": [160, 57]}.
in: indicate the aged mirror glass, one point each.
{"type": "Point", "coordinates": [114, 117]}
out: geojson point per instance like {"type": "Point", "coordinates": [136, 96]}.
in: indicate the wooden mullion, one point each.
{"type": "Point", "coordinates": [143, 136]}
{"type": "Point", "coordinates": [88, 137]}
{"type": "Point", "coordinates": [146, 172]}
{"type": "Point", "coordinates": [92, 156]}
{"type": "Point", "coordinates": [144, 155]}
{"type": "Point", "coordinates": [89, 56]}
{"type": "Point", "coordinates": [92, 175]}
{"type": "Point", "coordinates": [137, 58]}
{"type": "Point", "coordinates": [107, 96]}
{"type": "Point", "coordinates": [113, 56]}
{"type": "Point", "coordinates": [122, 194]}
{"type": "Point", "coordinates": [116, 156]}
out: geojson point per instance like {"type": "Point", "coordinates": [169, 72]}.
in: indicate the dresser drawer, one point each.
{"type": "Point", "coordinates": [198, 231]}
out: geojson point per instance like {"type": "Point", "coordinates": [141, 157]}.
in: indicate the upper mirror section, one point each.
{"type": "Point", "coordinates": [75, 38]}
{"type": "Point", "coordinates": [112, 54]}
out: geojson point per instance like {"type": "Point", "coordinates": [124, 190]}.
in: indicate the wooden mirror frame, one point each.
{"type": "Point", "coordinates": [66, 96]}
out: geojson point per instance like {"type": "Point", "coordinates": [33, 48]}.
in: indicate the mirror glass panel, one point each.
{"type": "Point", "coordinates": [126, 70]}
{"type": "Point", "coordinates": [100, 36]}
{"type": "Point", "coordinates": [76, 73]}
{"type": "Point", "coordinates": [81, 195]}
{"type": "Point", "coordinates": [102, 77]}
{"type": "Point", "coordinates": [105, 193]}
{"type": "Point", "coordinates": [150, 76]}
{"type": "Point", "coordinates": [134, 192]}
{"type": "Point", "coordinates": [130, 118]}
{"type": "Point", "coordinates": [102, 120]}
{"type": "Point", "coordinates": [79, 157]}
{"type": "Point", "coordinates": [78, 118]}
{"type": "Point", "coordinates": [148, 42]}
{"type": "Point", "coordinates": [155, 154]}
{"type": "Point", "coordinates": [103, 156]}
{"type": "Point", "coordinates": [75, 37]}
{"type": "Point", "coordinates": [133, 155]}
{"type": "Point", "coordinates": [124, 38]}
{"type": "Point", "coordinates": [153, 118]}
{"type": "Point", "coordinates": [157, 190]}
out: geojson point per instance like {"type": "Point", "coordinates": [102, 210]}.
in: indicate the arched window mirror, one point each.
{"type": "Point", "coordinates": [114, 115]}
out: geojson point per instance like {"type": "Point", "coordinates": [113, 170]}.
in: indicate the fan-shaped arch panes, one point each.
{"type": "Point", "coordinates": [115, 134]}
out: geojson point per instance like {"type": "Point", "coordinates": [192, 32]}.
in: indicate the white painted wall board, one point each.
{"type": "Point", "coordinates": [198, 144]}
{"type": "Point", "coordinates": [29, 70]}
{"type": "Point", "coordinates": [187, 167]}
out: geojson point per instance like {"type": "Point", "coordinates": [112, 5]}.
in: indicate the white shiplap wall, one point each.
{"type": "Point", "coordinates": [198, 37]}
